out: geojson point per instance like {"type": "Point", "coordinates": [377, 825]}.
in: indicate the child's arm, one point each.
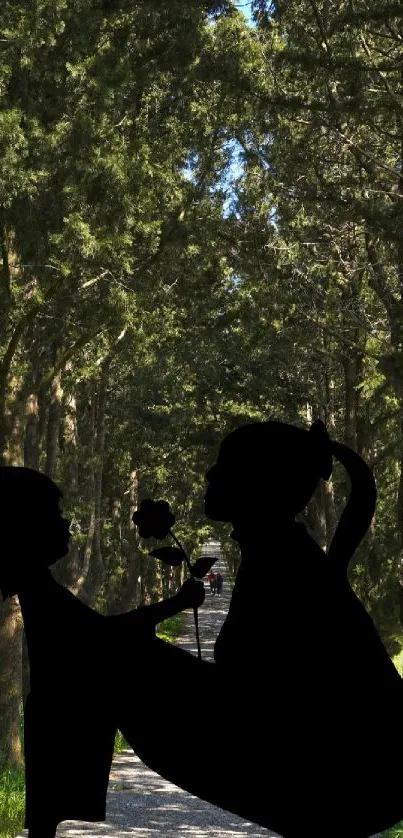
{"type": "Point", "coordinates": [191, 595]}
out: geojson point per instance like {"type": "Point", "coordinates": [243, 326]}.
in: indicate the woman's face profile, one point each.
{"type": "Point", "coordinates": [224, 498]}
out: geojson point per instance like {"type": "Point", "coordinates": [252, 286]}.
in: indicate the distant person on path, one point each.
{"type": "Point", "coordinates": [219, 583]}
{"type": "Point", "coordinates": [211, 578]}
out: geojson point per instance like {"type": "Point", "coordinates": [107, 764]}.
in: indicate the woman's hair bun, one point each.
{"type": "Point", "coordinates": [323, 447]}
{"type": "Point", "coordinates": [319, 427]}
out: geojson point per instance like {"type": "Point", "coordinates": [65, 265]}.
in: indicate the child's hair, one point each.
{"type": "Point", "coordinates": [24, 494]}
{"type": "Point", "coordinates": [23, 489]}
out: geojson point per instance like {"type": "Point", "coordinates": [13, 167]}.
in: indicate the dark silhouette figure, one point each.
{"type": "Point", "coordinates": [219, 583]}
{"type": "Point", "coordinates": [310, 695]}
{"type": "Point", "coordinates": [70, 718]}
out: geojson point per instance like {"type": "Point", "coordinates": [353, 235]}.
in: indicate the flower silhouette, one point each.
{"type": "Point", "coordinates": [153, 519]}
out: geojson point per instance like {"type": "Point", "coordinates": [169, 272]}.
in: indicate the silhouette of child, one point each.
{"type": "Point", "coordinates": [70, 716]}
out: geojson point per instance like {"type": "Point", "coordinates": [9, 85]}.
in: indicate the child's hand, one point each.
{"type": "Point", "coordinates": [191, 594]}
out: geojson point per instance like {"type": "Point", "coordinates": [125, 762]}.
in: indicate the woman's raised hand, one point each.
{"type": "Point", "coordinates": [191, 594]}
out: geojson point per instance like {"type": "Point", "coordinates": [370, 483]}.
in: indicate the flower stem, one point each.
{"type": "Point", "coordinates": [196, 617]}
{"type": "Point", "coordinates": [195, 614]}
{"type": "Point", "coordinates": [181, 548]}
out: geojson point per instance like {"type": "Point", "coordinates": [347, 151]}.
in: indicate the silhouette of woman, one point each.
{"type": "Point", "coordinates": [310, 694]}
{"type": "Point", "coordinates": [70, 718]}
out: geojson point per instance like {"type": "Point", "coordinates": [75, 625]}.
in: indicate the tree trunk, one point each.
{"type": "Point", "coordinates": [81, 586]}
{"type": "Point", "coordinates": [317, 517]}
{"type": "Point", "coordinates": [11, 624]}
{"type": "Point", "coordinates": [96, 572]}
{"type": "Point", "coordinates": [399, 510]}
{"type": "Point", "coordinates": [31, 442]}
{"type": "Point", "coordinates": [10, 683]}
{"type": "Point", "coordinates": [14, 447]}
{"type": "Point", "coordinates": [98, 569]}
{"type": "Point", "coordinates": [327, 489]}
{"type": "Point", "coordinates": [64, 429]}
{"type": "Point", "coordinates": [350, 415]}
{"type": "Point", "coordinates": [130, 596]}
{"type": "Point", "coordinates": [329, 510]}
{"type": "Point", "coordinates": [166, 573]}
{"type": "Point", "coordinates": [132, 593]}
{"type": "Point", "coordinates": [70, 444]}
{"type": "Point", "coordinates": [52, 434]}
{"type": "Point", "coordinates": [26, 682]}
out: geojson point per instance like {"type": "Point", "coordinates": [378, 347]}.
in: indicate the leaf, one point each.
{"type": "Point", "coordinates": [202, 566]}
{"type": "Point", "coordinates": [169, 555]}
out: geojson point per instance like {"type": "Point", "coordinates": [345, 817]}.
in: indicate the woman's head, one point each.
{"type": "Point", "coordinates": [33, 533]}
{"type": "Point", "coordinates": [267, 469]}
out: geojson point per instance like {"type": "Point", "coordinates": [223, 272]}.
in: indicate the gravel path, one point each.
{"type": "Point", "coordinates": [140, 803]}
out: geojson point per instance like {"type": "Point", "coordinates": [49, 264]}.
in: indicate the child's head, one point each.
{"type": "Point", "coordinates": [33, 533]}
{"type": "Point", "coordinates": [267, 470]}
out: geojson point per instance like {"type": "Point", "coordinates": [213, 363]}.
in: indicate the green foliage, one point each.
{"type": "Point", "coordinates": [170, 629]}
{"type": "Point", "coordinates": [12, 803]}
{"type": "Point", "coordinates": [120, 743]}
{"type": "Point", "coordinates": [394, 832]}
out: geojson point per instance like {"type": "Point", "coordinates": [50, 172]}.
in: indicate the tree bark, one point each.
{"type": "Point", "coordinates": [70, 447]}
{"type": "Point", "coordinates": [13, 673]}
{"type": "Point", "coordinates": [31, 442]}
{"type": "Point", "coordinates": [10, 683]}
{"type": "Point", "coordinates": [327, 487]}
{"type": "Point", "coordinates": [81, 586]}
{"type": "Point", "coordinates": [13, 453]}
{"type": "Point", "coordinates": [399, 510]}
{"type": "Point", "coordinates": [350, 415]}
{"type": "Point", "coordinates": [96, 570]}
{"type": "Point", "coordinates": [52, 433]}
